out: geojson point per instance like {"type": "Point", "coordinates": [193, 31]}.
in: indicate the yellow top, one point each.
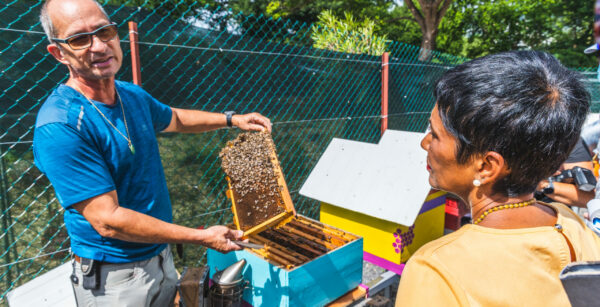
{"type": "Point", "coordinates": [479, 266]}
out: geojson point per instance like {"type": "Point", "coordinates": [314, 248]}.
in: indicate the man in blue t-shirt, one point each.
{"type": "Point", "coordinates": [95, 140]}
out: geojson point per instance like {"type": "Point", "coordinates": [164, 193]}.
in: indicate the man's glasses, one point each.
{"type": "Point", "coordinates": [84, 40]}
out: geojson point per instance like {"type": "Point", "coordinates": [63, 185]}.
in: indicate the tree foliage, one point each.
{"type": "Point", "coordinates": [389, 18]}
{"type": "Point", "coordinates": [469, 28]}
{"type": "Point", "coordinates": [474, 28]}
{"type": "Point", "coordinates": [347, 35]}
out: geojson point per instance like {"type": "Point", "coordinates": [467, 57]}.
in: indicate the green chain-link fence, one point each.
{"type": "Point", "coordinates": [590, 79]}
{"type": "Point", "coordinates": [192, 57]}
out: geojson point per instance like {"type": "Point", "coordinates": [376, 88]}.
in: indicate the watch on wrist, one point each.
{"type": "Point", "coordinates": [549, 189]}
{"type": "Point", "coordinates": [229, 116]}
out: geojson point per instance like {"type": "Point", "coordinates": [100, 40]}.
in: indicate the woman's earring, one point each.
{"type": "Point", "coordinates": [476, 182]}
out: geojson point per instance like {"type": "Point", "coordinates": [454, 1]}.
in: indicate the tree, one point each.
{"type": "Point", "coordinates": [347, 35]}
{"type": "Point", "coordinates": [390, 19]}
{"type": "Point", "coordinates": [474, 28]}
{"type": "Point", "coordinates": [428, 18]}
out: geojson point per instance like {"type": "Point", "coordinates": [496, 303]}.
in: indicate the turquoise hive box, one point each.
{"type": "Point", "coordinates": [314, 283]}
{"type": "Point", "coordinates": [303, 262]}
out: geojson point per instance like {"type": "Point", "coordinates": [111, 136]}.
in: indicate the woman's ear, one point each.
{"type": "Point", "coordinates": [57, 53]}
{"type": "Point", "coordinates": [491, 167]}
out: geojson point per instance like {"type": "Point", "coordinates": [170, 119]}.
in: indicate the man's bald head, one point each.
{"type": "Point", "coordinates": [46, 19]}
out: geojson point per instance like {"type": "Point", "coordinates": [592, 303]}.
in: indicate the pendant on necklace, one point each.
{"type": "Point", "coordinates": [131, 148]}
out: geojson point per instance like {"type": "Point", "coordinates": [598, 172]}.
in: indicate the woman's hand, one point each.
{"type": "Point", "coordinates": [542, 185]}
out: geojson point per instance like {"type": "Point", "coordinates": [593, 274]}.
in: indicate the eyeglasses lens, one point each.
{"type": "Point", "coordinates": [85, 40]}
{"type": "Point", "coordinates": [80, 41]}
{"type": "Point", "coordinates": [106, 34]}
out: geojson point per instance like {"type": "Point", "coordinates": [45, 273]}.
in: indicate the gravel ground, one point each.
{"type": "Point", "coordinates": [371, 275]}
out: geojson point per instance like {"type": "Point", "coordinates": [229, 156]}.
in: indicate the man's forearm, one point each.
{"type": "Point", "coordinates": [112, 221]}
{"type": "Point", "coordinates": [128, 225]}
{"type": "Point", "coordinates": [192, 121]}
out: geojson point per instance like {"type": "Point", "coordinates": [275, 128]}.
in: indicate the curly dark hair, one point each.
{"type": "Point", "coordinates": [524, 105]}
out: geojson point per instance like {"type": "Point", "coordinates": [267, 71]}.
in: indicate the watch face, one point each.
{"type": "Point", "coordinates": [549, 189]}
{"type": "Point", "coordinates": [228, 116]}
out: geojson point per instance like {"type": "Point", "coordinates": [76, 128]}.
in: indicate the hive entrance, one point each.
{"type": "Point", "coordinates": [251, 164]}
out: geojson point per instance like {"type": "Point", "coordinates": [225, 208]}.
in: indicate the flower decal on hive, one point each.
{"type": "Point", "coordinates": [403, 239]}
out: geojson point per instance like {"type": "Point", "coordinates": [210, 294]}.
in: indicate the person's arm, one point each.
{"type": "Point", "coordinates": [567, 193]}
{"type": "Point", "coordinates": [191, 121]}
{"type": "Point", "coordinates": [112, 221]}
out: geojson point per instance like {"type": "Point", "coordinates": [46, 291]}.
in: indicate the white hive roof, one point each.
{"type": "Point", "coordinates": [388, 180]}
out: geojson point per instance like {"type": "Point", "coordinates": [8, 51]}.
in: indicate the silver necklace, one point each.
{"type": "Point", "coordinates": [128, 138]}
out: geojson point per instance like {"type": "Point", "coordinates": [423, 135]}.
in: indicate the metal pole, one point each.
{"type": "Point", "coordinates": [135, 53]}
{"type": "Point", "coordinates": [5, 218]}
{"type": "Point", "coordinates": [384, 90]}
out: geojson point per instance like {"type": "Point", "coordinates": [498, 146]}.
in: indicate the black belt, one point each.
{"type": "Point", "coordinates": [78, 260]}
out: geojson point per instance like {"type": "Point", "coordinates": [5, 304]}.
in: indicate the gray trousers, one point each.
{"type": "Point", "coordinates": [149, 282]}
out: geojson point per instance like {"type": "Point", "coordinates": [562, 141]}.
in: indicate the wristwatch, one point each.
{"type": "Point", "coordinates": [229, 116]}
{"type": "Point", "coordinates": [549, 189]}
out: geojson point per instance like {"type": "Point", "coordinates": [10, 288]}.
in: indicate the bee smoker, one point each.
{"type": "Point", "coordinates": [228, 286]}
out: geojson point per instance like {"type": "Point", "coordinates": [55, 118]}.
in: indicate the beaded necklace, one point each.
{"type": "Point", "coordinates": [128, 138]}
{"type": "Point", "coordinates": [505, 206]}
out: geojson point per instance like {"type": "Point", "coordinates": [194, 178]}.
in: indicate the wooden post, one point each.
{"type": "Point", "coordinates": [135, 53]}
{"type": "Point", "coordinates": [384, 91]}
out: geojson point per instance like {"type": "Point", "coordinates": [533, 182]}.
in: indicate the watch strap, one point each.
{"type": "Point", "coordinates": [229, 117]}
{"type": "Point", "coordinates": [549, 189]}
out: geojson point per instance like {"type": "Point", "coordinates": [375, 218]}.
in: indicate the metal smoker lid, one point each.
{"type": "Point", "coordinates": [231, 275]}
{"type": "Point", "coordinates": [249, 214]}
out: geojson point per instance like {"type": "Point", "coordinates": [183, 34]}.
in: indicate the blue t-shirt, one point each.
{"type": "Point", "coordinates": [84, 156]}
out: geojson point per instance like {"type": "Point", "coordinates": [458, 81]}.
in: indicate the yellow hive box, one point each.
{"type": "Point", "coordinates": [380, 192]}
{"type": "Point", "coordinates": [388, 244]}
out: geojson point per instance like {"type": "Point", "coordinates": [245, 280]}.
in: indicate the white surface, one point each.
{"type": "Point", "coordinates": [591, 117]}
{"type": "Point", "coordinates": [387, 181]}
{"type": "Point", "coordinates": [50, 289]}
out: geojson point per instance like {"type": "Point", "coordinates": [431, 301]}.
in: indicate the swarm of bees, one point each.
{"type": "Point", "coordinates": [247, 162]}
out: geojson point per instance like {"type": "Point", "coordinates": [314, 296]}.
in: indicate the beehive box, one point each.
{"type": "Point", "coordinates": [304, 262]}
{"type": "Point", "coordinates": [380, 192]}
{"type": "Point", "coordinates": [389, 244]}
